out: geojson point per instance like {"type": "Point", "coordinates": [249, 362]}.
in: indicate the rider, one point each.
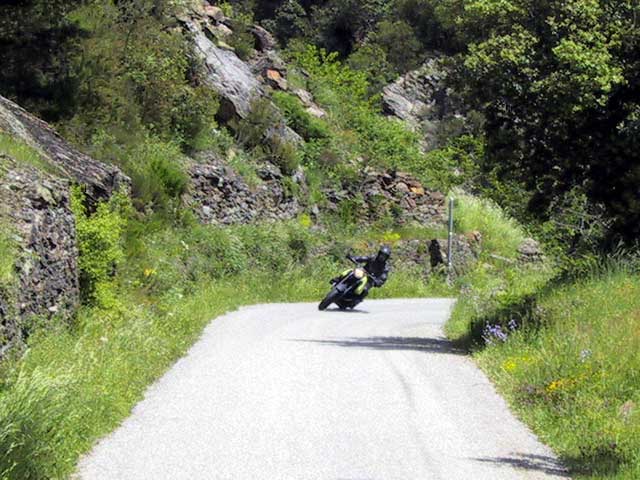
{"type": "Point", "coordinates": [375, 265]}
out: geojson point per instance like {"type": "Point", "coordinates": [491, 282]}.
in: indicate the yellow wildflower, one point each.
{"type": "Point", "coordinates": [148, 272]}
{"type": "Point", "coordinates": [509, 365]}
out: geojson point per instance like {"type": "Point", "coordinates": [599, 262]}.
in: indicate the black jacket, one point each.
{"type": "Point", "coordinates": [378, 269]}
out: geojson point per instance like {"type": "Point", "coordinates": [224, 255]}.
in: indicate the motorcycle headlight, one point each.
{"type": "Point", "coordinates": [359, 273]}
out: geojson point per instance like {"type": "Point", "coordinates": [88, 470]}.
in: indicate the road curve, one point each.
{"type": "Point", "coordinates": [287, 392]}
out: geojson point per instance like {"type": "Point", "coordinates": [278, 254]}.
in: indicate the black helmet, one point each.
{"type": "Point", "coordinates": [384, 253]}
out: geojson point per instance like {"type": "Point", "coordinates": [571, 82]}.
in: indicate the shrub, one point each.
{"type": "Point", "coordinates": [299, 119]}
{"type": "Point", "coordinates": [158, 175]}
{"type": "Point", "coordinates": [100, 241]}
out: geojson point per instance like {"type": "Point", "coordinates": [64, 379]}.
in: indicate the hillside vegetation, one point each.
{"type": "Point", "coordinates": [549, 149]}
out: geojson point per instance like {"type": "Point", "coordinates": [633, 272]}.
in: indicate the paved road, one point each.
{"type": "Point", "coordinates": [286, 392]}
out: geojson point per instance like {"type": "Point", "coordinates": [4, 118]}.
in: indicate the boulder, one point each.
{"type": "Point", "coordinates": [264, 40]}
{"type": "Point", "coordinates": [214, 13]}
{"type": "Point", "coordinates": [100, 180]}
{"type": "Point", "coordinates": [530, 251]}
{"type": "Point", "coordinates": [227, 74]}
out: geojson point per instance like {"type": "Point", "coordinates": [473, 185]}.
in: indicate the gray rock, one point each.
{"type": "Point", "coordinates": [100, 180]}
{"type": "Point", "coordinates": [423, 100]}
{"type": "Point", "coordinates": [35, 204]}
{"type": "Point", "coordinates": [264, 40]}
{"type": "Point", "coordinates": [219, 196]}
{"type": "Point", "coordinates": [226, 74]}
{"type": "Point", "coordinates": [530, 251]}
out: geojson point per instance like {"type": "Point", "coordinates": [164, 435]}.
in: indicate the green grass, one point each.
{"type": "Point", "coordinates": [572, 372]}
{"type": "Point", "coordinates": [499, 280]}
{"type": "Point", "coordinates": [74, 385]}
{"type": "Point", "coordinates": [25, 154]}
{"type": "Point", "coordinates": [571, 368]}
{"type": "Point", "coordinates": [7, 255]}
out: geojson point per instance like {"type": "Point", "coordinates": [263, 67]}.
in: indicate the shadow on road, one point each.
{"type": "Point", "coordinates": [427, 345]}
{"type": "Point", "coordinates": [540, 463]}
{"type": "Point", "coordinates": [338, 310]}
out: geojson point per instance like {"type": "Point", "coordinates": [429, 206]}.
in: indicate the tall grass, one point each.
{"type": "Point", "coordinates": [572, 372]}
{"type": "Point", "coordinates": [499, 280]}
{"type": "Point", "coordinates": [25, 154]}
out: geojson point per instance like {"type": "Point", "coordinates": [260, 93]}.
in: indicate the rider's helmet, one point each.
{"type": "Point", "coordinates": [384, 253]}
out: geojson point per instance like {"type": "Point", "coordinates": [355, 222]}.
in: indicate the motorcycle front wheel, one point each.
{"type": "Point", "coordinates": [331, 297]}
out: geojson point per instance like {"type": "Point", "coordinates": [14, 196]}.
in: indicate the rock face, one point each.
{"type": "Point", "coordinates": [100, 180]}
{"type": "Point", "coordinates": [238, 82]}
{"type": "Point", "coordinates": [226, 73]}
{"type": "Point", "coordinates": [219, 196]}
{"type": "Point", "coordinates": [36, 206]}
{"type": "Point", "coordinates": [422, 99]}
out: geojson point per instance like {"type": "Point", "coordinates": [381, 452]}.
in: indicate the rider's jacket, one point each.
{"type": "Point", "coordinates": [377, 268]}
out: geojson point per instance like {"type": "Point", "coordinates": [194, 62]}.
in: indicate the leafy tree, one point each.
{"type": "Point", "coordinates": [37, 40]}
{"type": "Point", "coordinates": [290, 21]}
{"type": "Point", "coordinates": [557, 82]}
{"type": "Point", "coordinates": [398, 40]}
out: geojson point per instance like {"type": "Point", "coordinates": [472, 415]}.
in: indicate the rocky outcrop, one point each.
{"type": "Point", "coordinates": [238, 82]}
{"type": "Point", "coordinates": [219, 196]}
{"type": "Point", "coordinates": [35, 208]}
{"type": "Point", "coordinates": [226, 73]}
{"type": "Point", "coordinates": [99, 180]}
{"type": "Point", "coordinates": [423, 99]}
{"type": "Point", "coordinates": [530, 251]}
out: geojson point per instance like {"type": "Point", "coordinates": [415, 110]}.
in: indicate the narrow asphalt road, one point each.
{"type": "Point", "coordinates": [287, 392]}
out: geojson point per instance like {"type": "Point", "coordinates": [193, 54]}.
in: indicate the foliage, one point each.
{"type": "Point", "coordinates": [290, 21]}
{"type": "Point", "coordinates": [555, 82]}
{"type": "Point", "coordinates": [100, 237]}
{"type": "Point", "coordinates": [37, 42]}
{"type": "Point", "coordinates": [299, 119]}
{"type": "Point", "coordinates": [397, 39]}
{"type": "Point", "coordinates": [242, 39]}
{"type": "Point", "coordinates": [363, 133]}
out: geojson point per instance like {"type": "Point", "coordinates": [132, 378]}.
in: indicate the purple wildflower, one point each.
{"type": "Point", "coordinates": [513, 325]}
{"type": "Point", "coordinates": [584, 355]}
{"type": "Point", "coordinates": [492, 333]}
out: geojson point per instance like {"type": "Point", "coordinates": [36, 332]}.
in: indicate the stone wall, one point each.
{"type": "Point", "coordinates": [219, 196]}
{"type": "Point", "coordinates": [36, 210]}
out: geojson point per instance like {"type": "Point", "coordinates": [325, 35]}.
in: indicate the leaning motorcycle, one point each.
{"type": "Point", "coordinates": [348, 290]}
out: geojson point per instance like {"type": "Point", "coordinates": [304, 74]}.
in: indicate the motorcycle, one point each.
{"type": "Point", "coordinates": [349, 288]}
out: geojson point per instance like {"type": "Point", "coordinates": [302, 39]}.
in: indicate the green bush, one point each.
{"type": "Point", "coordinates": [299, 119]}
{"type": "Point", "coordinates": [158, 175]}
{"type": "Point", "coordinates": [100, 242]}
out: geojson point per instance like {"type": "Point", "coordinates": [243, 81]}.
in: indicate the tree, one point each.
{"type": "Point", "coordinates": [558, 84]}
